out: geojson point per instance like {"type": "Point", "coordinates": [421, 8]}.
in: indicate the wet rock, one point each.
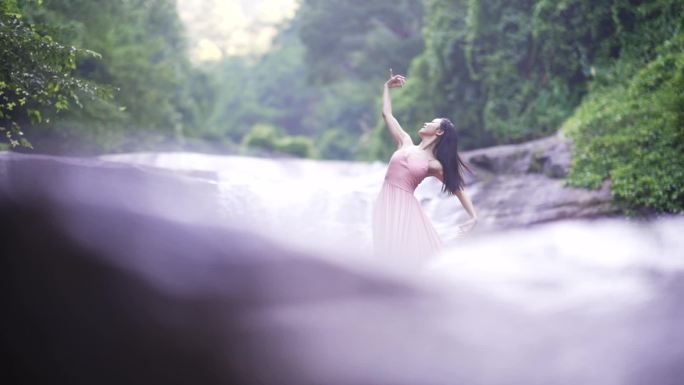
{"type": "Point", "coordinates": [549, 156]}
{"type": "Point", "coordinates": [520, 185]}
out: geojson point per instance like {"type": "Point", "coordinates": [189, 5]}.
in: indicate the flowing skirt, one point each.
{"type": "Point", "coordinates": [401, 229]}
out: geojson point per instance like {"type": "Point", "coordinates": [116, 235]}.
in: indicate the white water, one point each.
{"type": "Point", "coordinates": [327, 205]}
{"type": "Point", "coordinates": [307, 202]}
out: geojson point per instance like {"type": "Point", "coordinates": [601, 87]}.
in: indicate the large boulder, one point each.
{"type": "Point", "coordinates": [520, 185]}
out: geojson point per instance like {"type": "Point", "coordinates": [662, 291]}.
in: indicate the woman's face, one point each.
{"type": "Point", "coordinates": [431, 128]}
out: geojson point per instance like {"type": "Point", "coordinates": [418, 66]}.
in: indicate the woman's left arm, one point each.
{"type": "Point", "coordinates": [463, 197]}
{"type": "Point", "coordinates": [468, 206]}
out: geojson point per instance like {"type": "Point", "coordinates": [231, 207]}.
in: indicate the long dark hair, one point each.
{"type": "Point", "coordinates": [446, 152]}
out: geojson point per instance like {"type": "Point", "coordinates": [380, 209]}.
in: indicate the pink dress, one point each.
{"type": "Point", "coordinates": [400, 227]}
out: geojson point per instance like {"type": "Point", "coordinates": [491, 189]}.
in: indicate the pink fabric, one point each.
{"type": "Point", "coordinates": [400, 227]}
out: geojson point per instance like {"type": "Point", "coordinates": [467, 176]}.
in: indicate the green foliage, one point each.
{"type": "Point", "coordinates": [336, 143]}
{"type": "Point", "coordinates": [302, 86]}
{"type": "Point", "coordinates": [503, 71]}
{"type": "Point", "coordinates": [36, 75]}
{"type": "Point", "coordinates": [298, 145]}
{"type": "Point", "coordinates": [142, 58]}
{"type": "Point", "coordinates": [272, 139]}
{"type": "Point", "coordinates": [263, 136]}
{"type": "Point", "coordinates": [271, 88]}
{"type": "Point", "coordinates": [633, 133]}
{"type": "Point", "coordinates": [359, 39]}
{"type": "Point", "coordinates": [345, 105]}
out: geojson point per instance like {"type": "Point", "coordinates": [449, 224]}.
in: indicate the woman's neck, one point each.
{"type": "Point", "coordinates": [428, 143]}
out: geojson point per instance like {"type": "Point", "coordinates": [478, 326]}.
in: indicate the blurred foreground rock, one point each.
{"type": "Point", "coordinates": [102, 285]}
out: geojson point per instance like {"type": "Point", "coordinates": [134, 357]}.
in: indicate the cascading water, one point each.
{"type": "Point", "coordinates": [302, 201]}
{"type": "Point", "coordinates": [314, 204]}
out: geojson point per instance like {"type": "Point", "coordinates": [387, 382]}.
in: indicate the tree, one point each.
{"type": "Point", "coordinates": [143, 59]}
{"type": "Point", "coordinates": [359, 39]}
{"type": "Point", "coordinates": [36, 74]}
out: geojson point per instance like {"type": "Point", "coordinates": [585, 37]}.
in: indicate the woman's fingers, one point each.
{"type": "Point", "coordinates": [393, 76]}
{"type": "Point", "coordinates": [465, 227]}
{"type": "Point", "coordinates": [396, 80]}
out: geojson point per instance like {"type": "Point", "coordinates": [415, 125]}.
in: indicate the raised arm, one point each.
{"type": "Point", "coordinates": [398, 134]}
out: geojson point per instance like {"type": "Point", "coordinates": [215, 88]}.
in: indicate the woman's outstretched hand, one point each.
{"type": "Point", "coordinates": [395, 80]}
{"type": "Point", "coordinates": [466, 226]}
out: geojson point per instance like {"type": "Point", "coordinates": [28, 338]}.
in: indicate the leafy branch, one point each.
{"type": "Point", "coordinates": [36, 75]}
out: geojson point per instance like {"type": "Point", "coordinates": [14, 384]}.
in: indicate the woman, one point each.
{"type": "Point", "coordinates": [400, 227]}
